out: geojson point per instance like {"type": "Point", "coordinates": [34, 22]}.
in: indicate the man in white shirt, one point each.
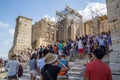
{"type": "Point", "coordinates": [80, 49]}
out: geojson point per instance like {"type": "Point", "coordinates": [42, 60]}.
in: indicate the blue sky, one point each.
{"type": "Point", "coordinates": [35, 9]}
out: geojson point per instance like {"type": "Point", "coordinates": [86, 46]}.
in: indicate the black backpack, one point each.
{"type": "Point", "coordinates": [20, 71]}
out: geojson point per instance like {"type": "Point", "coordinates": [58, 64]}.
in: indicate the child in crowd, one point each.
{"type": "Point", "coordinates": [90, 59]}
{"type": "Point", "coordinates": [63, 71]}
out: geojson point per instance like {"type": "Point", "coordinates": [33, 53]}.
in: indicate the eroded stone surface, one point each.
{"type": "Point", "coordinates": [115, 67]}
{"type": "Point", "coordinates": [115, 57]}
{"type": "Point", "coordinates": [116, 77]}
{"type": "Point", "coordinates": [113, 10]}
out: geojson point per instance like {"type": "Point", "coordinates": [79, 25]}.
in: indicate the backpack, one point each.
{"type": "Point", "coordinates": [62, 72]}
{"type": "Point", "coordinates": [20, 71]}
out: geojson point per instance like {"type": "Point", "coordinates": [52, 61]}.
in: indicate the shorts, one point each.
{"type": "Point", "coordinates": [12, 77]}
{"type": "Point", "coordinates": [33, 72]}
{"type": "Point", "coordinates": [80, 50]}
{"type": "Point", "coordinates": [60, 52]}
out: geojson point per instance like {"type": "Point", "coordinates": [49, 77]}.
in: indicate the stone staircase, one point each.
{"type": "Point", "coordinates": [75, 73]}
{"type": "Point", "coordinates": [26, 73]}
{"type": "Point", "coordinates": [77, 70]}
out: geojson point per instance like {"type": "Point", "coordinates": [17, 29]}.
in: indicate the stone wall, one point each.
{"type": "Point", "coordinates": [22, 35]}
{"type": "Point", "coordinates": [113, 11]}
{"type": "Point", "coordinates": [96, 25]}
{"type": "Point", "coordinates": [43, 33]}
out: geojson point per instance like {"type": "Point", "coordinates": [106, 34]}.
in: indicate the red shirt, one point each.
{"type": "Point", "coordinates": [55, 50]}
{"type": "Point", "coordinates": [98, 70]}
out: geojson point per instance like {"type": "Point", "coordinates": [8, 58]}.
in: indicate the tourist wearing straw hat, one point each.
{"type": "Point", "coordinates": [50, 70]}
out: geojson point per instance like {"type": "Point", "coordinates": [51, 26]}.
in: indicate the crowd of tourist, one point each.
{"type": "Point", "coordinates": [50, 61]}
{"type": "Point", "coordinates": [48, 65]}
{"type": "Point", "coordinates": [82, 45]}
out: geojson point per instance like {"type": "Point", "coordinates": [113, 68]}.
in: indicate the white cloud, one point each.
{"type": "Point", "coordinates": [11, 32]}
{"type": "Point", "coordinates": [96, 8]}
{"type": "Point", "coordinates": [50, 18]}
{"type": "Point", "coordinates": [46, 16]}
{"type": "Point", "coordinates": [3, 24]}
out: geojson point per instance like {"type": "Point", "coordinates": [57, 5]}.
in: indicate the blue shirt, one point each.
{"type": "Point", "coordinates": [59, 46]}
{"type": "Point", "coordinates": [12, 67]}
{"type": "Point", "coordinates": [64, 62]}
{"type": "Point", "coordinates": [101, 42]}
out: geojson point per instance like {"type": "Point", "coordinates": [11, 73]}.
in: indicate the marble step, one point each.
{"type": "Point", "coordinates": [25, 71]}
{"type": "Point", "coordinates": [73, 72]}
{"type": "Point", "coordinates": [62, 78]}
{"type": "Point", "coordinates": [24, 78]}
{"type": "Point", "coordinates": [74, 78]}
{"type": "Point", "coordinates": [26, 74]}
{"type": "Point", "coordinates": [75, 75]}
{"type": "Point", "coordinates": [77, 68]}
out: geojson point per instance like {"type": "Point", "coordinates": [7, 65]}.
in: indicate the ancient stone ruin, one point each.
{"type": "Point", "coordinates": [113, 12]}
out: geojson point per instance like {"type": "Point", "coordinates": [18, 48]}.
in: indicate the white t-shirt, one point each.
{"type": "Point", "coordinates": [80, 46]}
{"type": "Point", "coordinates": [72, 44]}
{"type": "Point", "coordinates": [12, 67]}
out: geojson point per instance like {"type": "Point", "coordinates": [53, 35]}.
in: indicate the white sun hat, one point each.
{"type": "Point", "coordinates": [50, 58]}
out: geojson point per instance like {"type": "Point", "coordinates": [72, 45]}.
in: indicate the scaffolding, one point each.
{"type": "Point", "coordinates": [69, 23]}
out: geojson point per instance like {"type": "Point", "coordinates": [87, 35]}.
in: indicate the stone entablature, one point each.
{"type": "Point", "coordinates": [96, 25]}
{"type": "Point", "coordinates": [69, 23]}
